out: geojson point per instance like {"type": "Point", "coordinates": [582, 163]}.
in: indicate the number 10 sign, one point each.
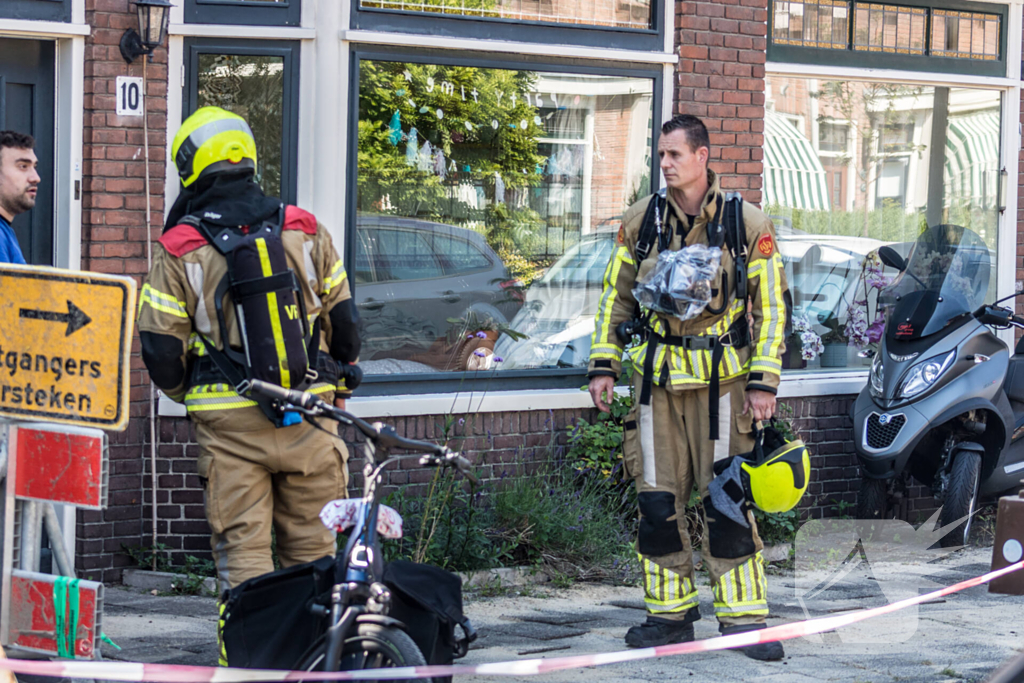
{"type": "Point", "coordinates": [129, 96]}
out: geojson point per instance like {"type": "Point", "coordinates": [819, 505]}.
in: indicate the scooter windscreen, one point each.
{"type": "Point", "coordinates": [946, 275]}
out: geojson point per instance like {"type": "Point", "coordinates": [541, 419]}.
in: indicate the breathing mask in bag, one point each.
{"type": "Point", "coordinates": [680, 282]}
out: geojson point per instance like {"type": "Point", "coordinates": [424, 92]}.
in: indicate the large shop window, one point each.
{"type": "Point", "coordinates": [851, 166]}
{"type": "Point", "coordinates": [38, 10]}
{"type": "Point", "coordinates": [487, 204]}
{"type": "Point", "coordinates": [243, 12]}
{"type": "Point", "coordinates": [258, 81]}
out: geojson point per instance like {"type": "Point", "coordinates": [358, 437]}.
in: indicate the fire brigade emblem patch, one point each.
{"type": "Point", "coordinates": [622, 234]}
{"type": "Point", "coordinates": [766, 245]}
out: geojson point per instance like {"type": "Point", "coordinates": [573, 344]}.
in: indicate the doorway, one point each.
{"type": "Point", "coordinates": [27, 97]}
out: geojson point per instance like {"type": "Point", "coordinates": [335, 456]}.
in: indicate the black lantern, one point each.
{"type": "Point", "coordinates": [153, 18]}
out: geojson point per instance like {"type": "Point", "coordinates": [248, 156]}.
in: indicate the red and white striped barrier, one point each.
{"type": "Point", "coordinates": [172, 673]}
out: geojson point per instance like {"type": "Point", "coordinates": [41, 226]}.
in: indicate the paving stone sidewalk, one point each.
{"type": "Point", "coordinates": [962, 638]}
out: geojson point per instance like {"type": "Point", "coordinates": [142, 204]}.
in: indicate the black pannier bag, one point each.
{"type": "Point", "coordinates": [267, 620]}
{"type": "Point", "coordinates": [428, 600]}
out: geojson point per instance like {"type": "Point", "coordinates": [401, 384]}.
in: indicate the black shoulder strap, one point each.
{"type": "Point", "coordinates": [736, 239]}
{"type": "Point", "coordinates": [716, 234]}
{"type": "Point", "coordinates": [648, 230]}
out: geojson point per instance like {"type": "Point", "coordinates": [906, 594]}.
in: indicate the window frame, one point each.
{"type": "Point", "coordinates": [290, 51]}
{"type": "Point", "coordinates": [429, 23]}
{"type": "Point", "coordinates": [36, 10]}
{"type": "Point", "coordinates": [282, 13]}
{"type": "Point", "coordinates": [447, 382]}
{"type": "Point", "coordinates": [796, 382]}
{"type": "Point", "coordinates": [848, 57]}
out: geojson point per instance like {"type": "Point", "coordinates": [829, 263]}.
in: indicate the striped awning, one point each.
{"type": "Point", "coordinates": [972, 158]}
{"type": "Point", "coordinates": [793, 175]}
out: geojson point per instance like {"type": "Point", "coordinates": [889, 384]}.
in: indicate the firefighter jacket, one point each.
{"type": "Point", "coordinates": [760, 361]}
{"type": "Point", "coordinates": [177, 303]}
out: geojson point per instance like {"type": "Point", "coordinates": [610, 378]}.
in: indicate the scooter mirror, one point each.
{"type": "Point", "coordinates": [891, 258]}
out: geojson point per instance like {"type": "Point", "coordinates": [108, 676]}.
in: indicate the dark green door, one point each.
{"type": "Point", "coordinates": [27, 105]}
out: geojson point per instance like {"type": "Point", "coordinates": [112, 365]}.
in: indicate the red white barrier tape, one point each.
{"type": "Point", "coordinates": [174, 673]}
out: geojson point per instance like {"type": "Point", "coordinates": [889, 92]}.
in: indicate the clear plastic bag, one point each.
{"type": "Point", "coordinates": [680, 282]}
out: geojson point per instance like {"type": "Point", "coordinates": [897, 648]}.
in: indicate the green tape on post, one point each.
{"type": "Point", "coordinates": [65, 613]}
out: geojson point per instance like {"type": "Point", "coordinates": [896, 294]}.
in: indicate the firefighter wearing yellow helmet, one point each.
{"type": "Point", "coordinates": [203, 337]}
{"type": "Point", "coordinates": [213, 141]}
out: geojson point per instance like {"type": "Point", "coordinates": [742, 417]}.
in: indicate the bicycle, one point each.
{"type": "Point", "coordinates": [359, 633]}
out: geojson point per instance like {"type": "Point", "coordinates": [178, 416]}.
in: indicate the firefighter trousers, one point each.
{"type": "Point", "coordinates": [667, 450]}
{"type": "Point", "coordinates": [255, 481]}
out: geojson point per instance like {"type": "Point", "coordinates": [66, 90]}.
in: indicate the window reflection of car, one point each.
{"type": "Point", "coordinates": [558, 315]}
{"type": "Point", "coordinates": [559, 311]}
{"type": "Point", "coordinates": [823, 271]}
{"type": "Point", "coordinates": [411, 275]}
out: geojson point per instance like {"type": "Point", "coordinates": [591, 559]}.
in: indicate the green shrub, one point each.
{"type": "Point", "coordinates": [561, 518]}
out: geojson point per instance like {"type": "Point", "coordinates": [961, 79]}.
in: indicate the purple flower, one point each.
{"type": "Point", "coordinates": [876, 329]}
{"type": "Point", "coordinates": [469, 336]}
{"type": "Point", "coordinates": [481, 335]}
{"type": "Point", "coordinates": [480, 353]}
{"type": "Point", "coordinates": [498, 359]}
{"type": "Point", "coordinates": [462, 421]}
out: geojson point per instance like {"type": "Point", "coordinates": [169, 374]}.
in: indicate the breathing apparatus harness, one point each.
{"type": "Point", "coordinates": [726, 228]}
{"type": "Point", "coordinates": [279, 345]}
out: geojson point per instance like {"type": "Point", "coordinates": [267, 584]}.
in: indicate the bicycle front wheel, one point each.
{"type": "Point", "coordinates": [373, 647]}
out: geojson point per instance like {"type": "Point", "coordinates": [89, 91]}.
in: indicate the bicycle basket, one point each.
{"type": "Point", "coordinates": [267, 622]}
{"type": "Point", "coordinates": [428, 600]}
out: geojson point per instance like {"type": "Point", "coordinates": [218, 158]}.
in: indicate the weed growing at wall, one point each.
{"type": "Point", "coordinates": [543, 513]}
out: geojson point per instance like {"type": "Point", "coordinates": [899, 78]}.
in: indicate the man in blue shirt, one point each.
{"type": "Point", "coordinates": [19, 182]}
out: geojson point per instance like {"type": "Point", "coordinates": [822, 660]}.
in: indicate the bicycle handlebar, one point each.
{"type": "Point", "coordinates": [382, 435]}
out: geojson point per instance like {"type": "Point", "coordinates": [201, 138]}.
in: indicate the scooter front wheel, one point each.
{"type": "Point", "coordinates": [961, 498]}
{"type": "Point", "coordinates": [873, 499]}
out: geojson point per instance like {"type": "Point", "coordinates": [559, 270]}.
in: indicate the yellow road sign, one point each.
{"type": "Point", "coordinates": [65, 342]}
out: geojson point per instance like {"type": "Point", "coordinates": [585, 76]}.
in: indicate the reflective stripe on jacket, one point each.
{"type": "Point", "coordinates": [766, 288]}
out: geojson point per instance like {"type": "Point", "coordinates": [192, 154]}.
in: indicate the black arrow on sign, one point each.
{"type": "Point", "coordinates": [75, 317]}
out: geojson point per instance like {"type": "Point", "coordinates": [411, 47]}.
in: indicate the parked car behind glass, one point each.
{"type": "Point", "coordinates": [411, 275]}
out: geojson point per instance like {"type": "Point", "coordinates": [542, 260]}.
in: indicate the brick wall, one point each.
{"type": "Point", "coordinates": [827, 428]}
{"type": "Point", "coordinates": [114, 241]}
{"type": "Point", "coordinates": [497, 444]}
{"type": "Point", "coordinates": [720, 78]}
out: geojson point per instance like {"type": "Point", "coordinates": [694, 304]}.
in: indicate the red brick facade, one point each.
{"type": "Point", "coordinates": [720, 78]}
{"type": "Point", "coordinates": [114, 241]}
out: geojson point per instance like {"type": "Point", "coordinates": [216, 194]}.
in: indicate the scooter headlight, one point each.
{"type": "Point", "coordinates": [877, 376]}
{"type": "Point", "coordinates": [925, 374]}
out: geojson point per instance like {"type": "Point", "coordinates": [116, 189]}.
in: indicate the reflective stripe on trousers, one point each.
{"type": "Point", "coordinates": [666, 592]}
{"type": "Point", "coordinates": [743, 590]}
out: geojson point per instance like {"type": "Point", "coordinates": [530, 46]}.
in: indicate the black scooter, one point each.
{"type": "Point", "coordinates": [945, 400]}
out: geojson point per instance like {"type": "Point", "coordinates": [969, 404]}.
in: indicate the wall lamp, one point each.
{"type": "Point", "coordinates": [153, 18]}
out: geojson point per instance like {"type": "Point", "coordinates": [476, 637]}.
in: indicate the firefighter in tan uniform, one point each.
{"type": "Point", "coordinates": [257, 475]}
{"type": "Point", "coordinates": [700, 391]}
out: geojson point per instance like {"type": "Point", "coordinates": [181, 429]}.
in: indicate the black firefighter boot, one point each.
{"type": "Point", "coordinates": [658, 631]}
{"type": "Point", "coordinates": [765, 652]}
